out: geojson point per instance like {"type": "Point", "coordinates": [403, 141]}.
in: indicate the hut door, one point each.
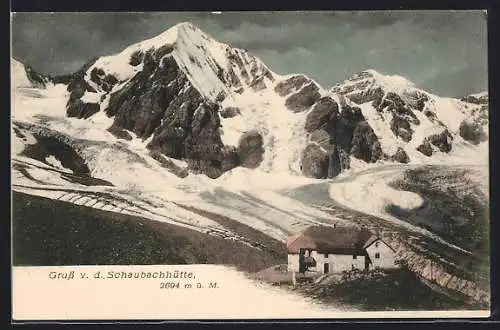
{"type": "Point", "coordinates": [326, 268]}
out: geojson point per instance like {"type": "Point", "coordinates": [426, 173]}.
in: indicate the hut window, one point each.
{"type": "Point", "coordinates": [354, 256]}
{"type": "Point", "coordinates": [376, 244]}
{"type": "Point", "coordinates": [377, 255]}
{"type": "Point", "coordinates": [326, 255]}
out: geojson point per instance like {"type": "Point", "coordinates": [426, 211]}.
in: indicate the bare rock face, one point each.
{"type": "Point", "coordinates": [211, 168]}
{"type": "Point", "coordinates": [442, 141]}
{"type": "Point", "coordinates": [321, 164]}
{"type": "Point", "coordinates": [79, 109]}
{"type": "Point", "coordinates": [360, 89]}
{"type": "Point", "coordinates": [402, 116]}
{"type": "Point", "coordinates": [401, 156]}
{"type": "Point", "coordinates": [314, 162]}
{"type": "Point", "coordinates": [371, 95]}
{"type": "Point", "coordinates": [337, 136]}
{"type": "Point", "coordinates": [342, 129]}
{"type": "Point", "coordinates": [160, 102]}
{"type": "Point", "coordinates": [250, 149]}
{"type": "Point", "coordinates": [136, 58]}
{"type": "Point", "coordinates": [291, 84]}
{"type": "Point", "coordinates": [258, 84]}
{"type": "Point", "coordinates": [304, 98]}
{"type": "Point", "coordinates": [365, 144]}
{"type": "Point", "coordinates": [476, 99]}
{"type": "Point", "coordinates": [352, 134]}
{"type": "Point", "coordinates": [338, 161]}
{"type": "Point", "coordinates": [105, 81]}
{"type": "Point", "coordinates": [251, 70]}
{"type": "Point", "coordinates": [324, 110]}
{"type": "Point", "coordinates": [425, 148]}
{"type": "Point", "coordinates": [230, 158]}
{"type": "Point", "coordinates": [417, 100]}
{"type": "Point", "coordinates": [401, 128]}
{"type": "Point", "coordinates": [119, 133]}
{"type": "Point", "coordinates": [77, 87]}
{"type": "Point", "coordinates": [323, 138]}
{"type": "Point", "coordinates": [431, 115]}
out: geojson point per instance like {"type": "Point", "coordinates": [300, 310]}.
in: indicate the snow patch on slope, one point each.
{"type": "Point", "coordinates": [19, 78]}
{"type": "Point", "coordinates": [282, 130]}
{"type": "Point", "coordinates": [391, 83]}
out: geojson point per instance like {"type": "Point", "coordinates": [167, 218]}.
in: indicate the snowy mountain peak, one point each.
{"type": "Point", "coordinates": [24, 76]}
{"type": "Point", "coordinates": [371, 80]}
{"type": "Point", "coordinates": [212, 67]}
{"type": "Point", "coordinates": [394, 83]}
{"type": "Point", "coordinates": [477, 98]}
{"type": "Point", "coordinates": [186, 96]}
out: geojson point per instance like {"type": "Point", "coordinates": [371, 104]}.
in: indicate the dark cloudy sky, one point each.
{"type": "Point", "coordinates": [444, 52]}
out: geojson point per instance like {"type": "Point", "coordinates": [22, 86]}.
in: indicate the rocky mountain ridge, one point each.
{"type": "Point", "coordinates": [192, 98]}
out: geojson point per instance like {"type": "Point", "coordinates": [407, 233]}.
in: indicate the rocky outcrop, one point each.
{"type": "Point", "coordinates": [338, 161]}
{"type": "Point", "coordinates": [250, 149]}
{"type": "Point", "coordinates": [400, 156]}
{"type": "Point", "coordinates": [78, 87]}
{"type": "Point", "coordinates": [442, 141]}
{"type": "Point", "coordinates": [481, 98]}
{"type": "Point", "coordinates": [230, 112]}
{"type": "Point", "coordinates": [319, 163]}
{"type": "Point", "coordinates": [136, 58]}
{"type": "Point", "coordinates": [119, 133]}
{"type": "Point", "coordinates": [360, 89]}
{"type": "Point", "coordinates": [160, 102]}
{"type": "Point", "coordinates": [304, 98]}
{"type": "Point", "coordinates": [325, 110]}
{"type": "Point", "coordinates": [416, 99]}
{"type": "Point", "coordinates": [292, 84]}
{"type": "Point", "coordinates": [370, 86]}
{"type": "Point", "coordinates": [402, 116]}
{"type": "Point", "coordinates": [472, 132]}
{"type": "Point", "coordinates": [365, 144]}
{"type": "Point", "coordinates": [106, 82]}
{"type": "Point", "coordinates": [258, 84]}
{"type": "Point", "coordinates": [301, 92]}
{"type": "Point", "coordinates": [401, 128]}
{"type": "Point", "coordinates": [314, 162]}
{"type": "Point", "coordinates": [425, 148]}
{"type": "Point", "coordinates": [79, 109]}
{"type": "Point", "coordinates": [339, 134]}
{"type": "Point", "coordinates": [371, 95]}
{"type": "Point", "coordinates": [230, 158]}
{"type": "Point", "coordinates": [323, 138]}
{"type": "Point", "coordinates": [250, 69]}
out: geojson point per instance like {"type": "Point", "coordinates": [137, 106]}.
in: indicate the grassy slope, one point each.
{"type": "Point", "coordinates": [458, 210]}
{"type": "Point", "coordinates": [385, 290]}
{"type": "Point", "coordinates": [49, 232]}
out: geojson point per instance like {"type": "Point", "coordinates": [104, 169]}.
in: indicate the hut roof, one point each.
{"type": "Point", "coordinates": [341, 240]}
